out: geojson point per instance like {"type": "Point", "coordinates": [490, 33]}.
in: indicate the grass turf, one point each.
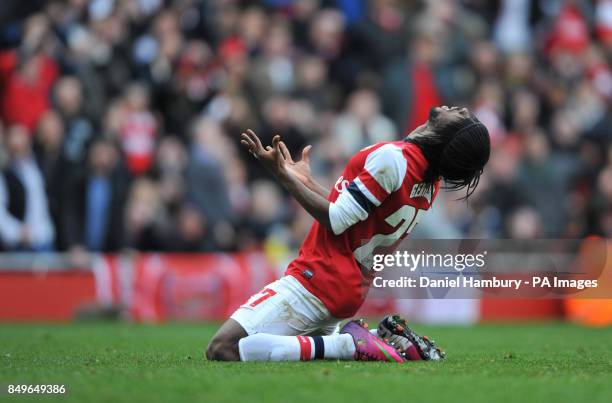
{"type": "Point", "coordinates": [118, 362]}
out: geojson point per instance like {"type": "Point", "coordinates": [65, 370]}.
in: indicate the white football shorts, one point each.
{"type": "Point", "coordinates": [285, 308]}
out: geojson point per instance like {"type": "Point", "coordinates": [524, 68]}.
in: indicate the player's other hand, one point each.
{"type": "Point", "coordinates": [270, 157]}
{"type": "Point", "coordinates": [301, 168]}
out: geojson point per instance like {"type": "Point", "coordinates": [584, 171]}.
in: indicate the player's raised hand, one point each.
{"type": "Point", "coordinates": [270, 157]}
{"type": "Point", "coordinates": [300, 169]}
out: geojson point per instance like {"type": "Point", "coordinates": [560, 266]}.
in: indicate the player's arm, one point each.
{"type": "Point", "coordinates": [301, 169]}
{"type": "Point", "coordinates": [316, 187]}
{"type": "Point", "coordinates": [272, 159]}
{"type": "Point", "coordinates": [314, 203]}
{"type": "Point", "coordinates": [382, 174]}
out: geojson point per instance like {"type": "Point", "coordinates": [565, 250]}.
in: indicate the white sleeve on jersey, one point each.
{"type": "Point", "coordinates": [383, 173]}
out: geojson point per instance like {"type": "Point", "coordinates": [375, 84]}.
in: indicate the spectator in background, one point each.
{"type": "Point", "coordinates": [145, 216]}
{"type": "Point", "coordinates": [25, 220]}
{"type": "Point", "coordinates": [362, 124]}
{"type": "Point", "coordinates": [540, 170]}
{"type": "Point", "coordinates": [170, 171]}
{"type": "Point", "coordinates": [27, 87]}
{"type": "Point", "coordinates": [137, 130]}
{"type": "Point", "coordinates": [207, 182]}
{"type": "Point", "coordinates": [382, 35]}
{"type": "Point", "coordinates": [279, 116]}
{"type": "Point", "coordinates": [267, 209]}
{"type": "Point", "coordinates": [26, 77]}
{"type": "Point", "coordinates": [79, 131]}
{"type": "Point", "coordinates": [327, 41]}
{"type": "Point", "coordinates": [312, 84]}
{"type": "Point", "coordinates": [190, 232]}
{"type": "Point", "coordinates": [93, 213]}
{"type": "Point", "coordinates": [186, 92]}
{"type": "Point", "coordinates": [49, 151]}
{"type": "Point", "coordinates": [410, 88]}
{"type": "Point", "coordinates": [524, 223]}
{"type": "Point", "coordinates": [253, 23]}
{"type": "Point", "coordinates": [490, 109]}
{"type": "Point", "coordinates": [511, 30]}
{"type": "Point", "coordinates": [274, 71]}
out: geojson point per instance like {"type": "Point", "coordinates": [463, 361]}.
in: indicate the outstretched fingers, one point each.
{"type": "Point", "coordinates": [278, 150]}
{"type": "Point", "coordinates": [250, 140]}
{"type": "Point", "coordinates": [285, 152]}
{"type": "Point", "coordinates": [255, 138]}
{"type": "Point", "coordinates": [306, 154]}
{"type": "Point", "coordinates": [248, 143]}
{"type": "Point", "coordinates": [276, 144]}
{"type": "Point", "coordinates": [246, 140]}
{"type": "Point", "coordinates": [278, 155]}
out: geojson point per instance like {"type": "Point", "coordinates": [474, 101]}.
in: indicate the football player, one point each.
{"type": "Point", "coordinates": [377, 201]}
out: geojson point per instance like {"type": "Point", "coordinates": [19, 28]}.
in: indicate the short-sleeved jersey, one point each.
{"type": "Point", "coordinates": [373, 205]}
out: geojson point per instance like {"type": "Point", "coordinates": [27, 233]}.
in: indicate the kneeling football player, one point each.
{"type": "Point", "coordinates": [376, 202]}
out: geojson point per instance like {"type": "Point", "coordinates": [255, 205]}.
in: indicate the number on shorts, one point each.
{"type": "Point", "coordinates": [264, 295]}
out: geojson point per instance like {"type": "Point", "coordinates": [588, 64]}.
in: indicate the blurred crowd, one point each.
{"type": "Point", "coordinates": [120, 119]}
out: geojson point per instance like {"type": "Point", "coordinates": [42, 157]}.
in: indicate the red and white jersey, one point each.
{"type": "Point", "coordinates": [374, 204]}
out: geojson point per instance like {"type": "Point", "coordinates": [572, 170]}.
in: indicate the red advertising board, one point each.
{"type": "Point", "coordinates": [148, 287]}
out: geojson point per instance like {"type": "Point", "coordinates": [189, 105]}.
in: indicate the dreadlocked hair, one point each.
{"type": "Point", "coordinates": [456, 152]}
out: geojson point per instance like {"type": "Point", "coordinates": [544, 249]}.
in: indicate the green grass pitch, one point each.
{"type": "Point", "coordinates": [134, 363]}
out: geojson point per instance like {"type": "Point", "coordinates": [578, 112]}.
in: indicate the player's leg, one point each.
{"type": "Point", "coordinates": [265, 312]}
{"type": "Point", "coordinates": [322, 343]}
{"type": "Point", "coordinates": [277, 321]}
{"type": "Point", "coordinates": [354, 342]}
{"type": "Point", "coordinates": [304, 315]}
{"type": "Point", "coordinates": [259, 314]}
{"type": "Point", "coordinates": [224, 344]}
{"type": "Point", "coordinates": [269, 347]}
{"type": "Point", "coordinates": [272, 324]}
{"type": "Point", "coordinates": [303, 329]}
{"type": "Point", "coordinates": [335, 345]}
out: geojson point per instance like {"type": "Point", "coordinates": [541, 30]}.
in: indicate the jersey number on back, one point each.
{"type": "Point", "coordinates": [404, 219]}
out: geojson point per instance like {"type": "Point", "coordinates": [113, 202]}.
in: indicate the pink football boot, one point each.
{"type": "Point", "coordinates": [369, 347]}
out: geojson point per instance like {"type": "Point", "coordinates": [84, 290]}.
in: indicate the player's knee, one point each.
{"type": "Point", "coordinates": [222, 349]}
